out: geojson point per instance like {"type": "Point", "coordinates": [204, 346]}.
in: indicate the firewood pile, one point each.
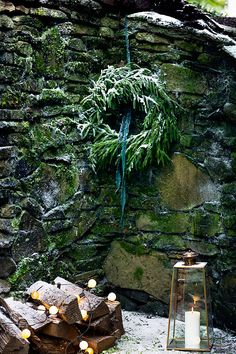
{"type": "Point", "coordinates": [62, 318]}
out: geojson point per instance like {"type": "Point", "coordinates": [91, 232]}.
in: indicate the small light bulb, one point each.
{"type": "Point", "coordinates": [83, 345]}
{"type": "Point", "coordinates": [89, 351]}
{"type": "Point", "coordinates": [25, 334]}
{"type": "Point", "coordinates": [111, 297]}
{"type": "Point", "coordinates": [41, 308]}
{"type": "Point", "coordinates": [78, 299]}
{"type": "Point", "coordinates": [53, 310]}
{"type": "Point", "coordinates": [84, 314]}
{"type": "Point", "coordinates": [35, 295]}
{"type": "Point", "coordinates": [92, 283]}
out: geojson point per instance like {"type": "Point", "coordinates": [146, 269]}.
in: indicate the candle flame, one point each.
{"type": "Point", "coordinates": [192, 309]}
{"type": "Point", "coordinates": [195, 298]}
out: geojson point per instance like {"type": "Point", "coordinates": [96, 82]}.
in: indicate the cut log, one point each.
{"type": "Point", "coordinates": [61, 329]}
{"type": "Point", "coordinates": [21, 312]}
{"type": "Point", "coordinates": [49, 345]}
{"type": "Point", "coordinates": [66, 302]}
{"type": "Point", "coordinates": [100, 343]}
{"type": "Point", "coordinates": [10, 337]}
{"type": "Point", "coordinates": [100, 326]}
{"type": "Point", "coordinates": [93, 304]}
{"type": "Point", "coordinates": [116, 317]}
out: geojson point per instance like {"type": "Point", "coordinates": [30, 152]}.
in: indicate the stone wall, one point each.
{"type": "Point", "coordinates": [57, 217]}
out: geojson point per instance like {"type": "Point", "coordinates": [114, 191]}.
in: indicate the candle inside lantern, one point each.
{"type": "Point", "coordinates": [192, 329]}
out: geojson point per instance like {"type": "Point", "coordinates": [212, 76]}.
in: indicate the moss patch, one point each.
{"type": "Point", "coordinates": [170, 223]}
{"type": "Point", "coordinates": [182, 79]}
{"type": "Point", "coordinates": [50, 58]}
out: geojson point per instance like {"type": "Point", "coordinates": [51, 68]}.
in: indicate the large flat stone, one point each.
{"type": "Point", "coordinates": [182, 79]}
{"type": "Point", "coordinates": [183, 186]}
{"type": "Point", "coordinates": [150, 273]}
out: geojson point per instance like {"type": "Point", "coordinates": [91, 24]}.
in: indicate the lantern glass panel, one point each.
{"type": "Point", "coordinates": [190, 325]}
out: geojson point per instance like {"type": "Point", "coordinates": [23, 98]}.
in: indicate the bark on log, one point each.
{"type": "Point", "coordinates": [33, 318]}
{"type": "Point", "coordinates": [116, 317]}
{"type": "Point", "coordinates": [10, 339]}
{"type": "Point", "coordinates": [93, 304]}
{"type": "Point", "coordinates": [100, 343]}
{"type": "Point", "coordinates": [66, 302]}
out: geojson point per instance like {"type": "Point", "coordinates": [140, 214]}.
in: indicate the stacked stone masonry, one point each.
{"type": "Point", "coordinates": [57, 217]}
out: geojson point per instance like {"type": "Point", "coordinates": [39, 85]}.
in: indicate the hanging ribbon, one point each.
{"type": "Point", "coordinates": [123, 135]}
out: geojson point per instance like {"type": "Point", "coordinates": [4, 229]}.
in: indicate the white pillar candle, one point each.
{"type": "Point", "coordinates": [231, 4]}
{"type": "Point", "coordinates": [192, 329]}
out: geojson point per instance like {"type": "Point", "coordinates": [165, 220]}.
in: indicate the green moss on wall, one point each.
{"type": "Point", "coordinates": [138, 274]}
{"type": "Point", "coordinates": [50, 58]}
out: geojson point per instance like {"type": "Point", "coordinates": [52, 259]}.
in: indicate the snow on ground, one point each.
{"type": "Point", "coordinates": [147, 334]}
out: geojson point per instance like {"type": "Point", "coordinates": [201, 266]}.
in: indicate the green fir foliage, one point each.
{"type": "Point", "coordinates": [153, 113]}
{"type": "Point", "coordinates": [215, 6]}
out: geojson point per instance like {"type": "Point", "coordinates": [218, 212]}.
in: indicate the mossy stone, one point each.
{"type": "Point", "coordinates": [30, 236]}
{"type": "Point", "coordinates": [228, 201]}
{"type": "Point", "coordinates": [50, 58]}
{"type": "Point", "coordinates": [168, 243]}
{"type": "Point", "coordinates": [170, 223]}
{"type": "Point", "coordinates": [220, 168]}
{"type": "Point", "coordinates": [60, 239]}
{"type": "Point", "coordinates": [8, 266]}
{"type": "Point", "coordinates": [229, 188]}
{"type": "Point", "coordinates": [189, 46]}
{"type": "Point", "coordinates": [230, 222]}
{"type": "Point", "coordinates": [52, 184]}
{"type": "Point", "coordinates": [83, 252]}
{"type": "Point", "coordinates": [53, 96]}
{"type": "Point", "coordinates": [10, 211]}
{"type": "Point", "coordinates": [206, 224]}
{"type": "Point", "coordinates": [81, 29]}
{"type": "Point", "coordinates": [106, 32]}
{"type": "Point", "coordinates": [11, 99]}
{"type": "Point", "coordinates": [230, 111]}
{"type": "Point", "coordinates": [76, 44]}
{"type": "Point", "coordinates": [150, 273]}
{"type": "Point", "coordinates": [46, 12]}
{"type": "Point", "coordinates": [181, 79]}
{"type": "Point", "coordinates": [177, 244]}
{"type": "Point", "coordinates": [6, 22]}
{"type": "Point", "coordinates": [206, 59]}
{"type": "Point", "coordinates": [84, 223]}
{"type": "Point", "coordinates": [110, 22]}
{"type": "Point", "coordinates": [183, 186]}
{"type": "Point", "coordinates": [151, 38]}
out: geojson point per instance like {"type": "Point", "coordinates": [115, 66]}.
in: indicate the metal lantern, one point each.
{"type": "Point", "coordinates": [190, 319]}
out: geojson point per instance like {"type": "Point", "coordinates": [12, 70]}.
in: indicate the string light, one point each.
{"type": "Point", "coordinates": [53, 310]}
{"type": "Point", "coordinates": [35, 295]}
{"type": "Point", "coordinates": [111, 297]}
{"type": "Point", "coordinates": [84, 314]}
{"type": "Point", "coordinates": [25, 334]}
{"type": "Point", "coordinates": [83, 345]}
{"type": "Point", "coordinates": [89, 351]}
{"type": "Point", "coordinates": [92, 283]}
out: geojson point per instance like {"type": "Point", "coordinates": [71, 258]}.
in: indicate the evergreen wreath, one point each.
{"type": "Point", "coordinates": [119, 91]}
